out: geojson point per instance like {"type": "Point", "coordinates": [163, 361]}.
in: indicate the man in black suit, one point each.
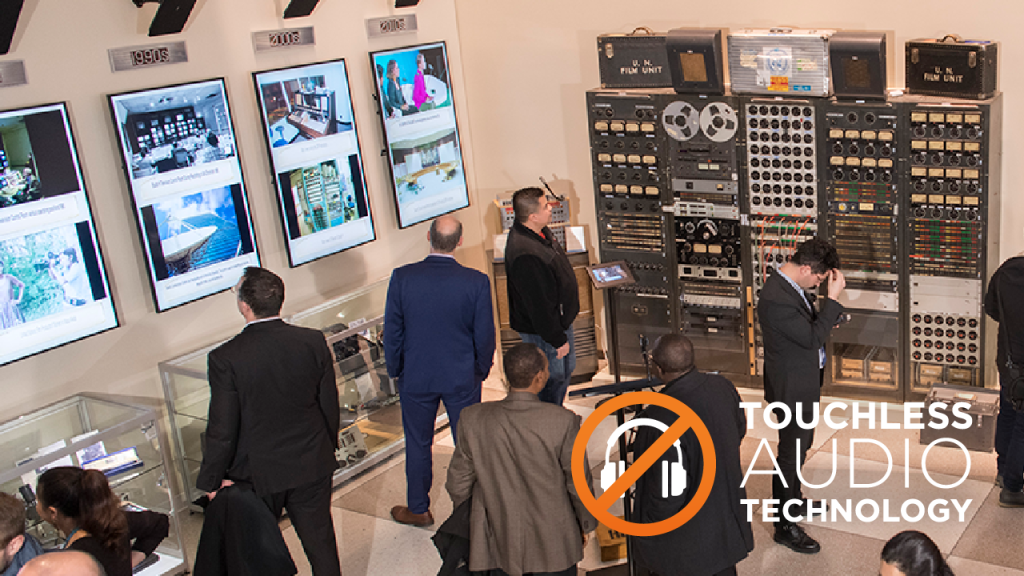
{"type": "Point", "coordinates": [794, 335]}
{"type": "Point", "coordinates": [274, 417]}
{"type": "Point", "coordinates": [719, 535]}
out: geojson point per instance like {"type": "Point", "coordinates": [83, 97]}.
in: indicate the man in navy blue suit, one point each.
{"type": "Point", "coordinates": [439, 345]}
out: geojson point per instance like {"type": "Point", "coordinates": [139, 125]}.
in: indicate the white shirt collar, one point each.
{"type": "Point", "coordinates": [258, 320]}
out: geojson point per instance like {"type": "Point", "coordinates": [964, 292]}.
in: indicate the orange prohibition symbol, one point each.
{"type": "Point", "coordinates": [599, 506]}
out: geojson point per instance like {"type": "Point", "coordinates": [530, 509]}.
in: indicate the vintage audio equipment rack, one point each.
{"type": "Point", "coordinates": [704, 143]}
{"type": "Point", "coordinates": [907, 189]}
{"type": "Point", "coordinates": [634, 214]}
{"type": "Point", "coordinates": [861, 217]}
{"type": "Point", "coordinates": [952, 174]}
{"type": "Point", "coordinates": [782, 192]}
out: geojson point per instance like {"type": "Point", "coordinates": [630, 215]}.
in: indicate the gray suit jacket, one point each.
{"type": "Point", "coordinates": [514, 458]}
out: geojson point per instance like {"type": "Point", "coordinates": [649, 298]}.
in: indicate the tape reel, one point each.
{"type": "Point", "coordinates": [718, 121]}
{"type": "Point", "coordinates": [681, 121]}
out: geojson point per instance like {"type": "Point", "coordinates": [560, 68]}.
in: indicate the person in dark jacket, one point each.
{"type": "Point", "coordinates": [794, 334]}
{"type": "Point", "coordinates": [241, 537]}
{"type": "Point", "coordinates": [16, 547]}
{"type": "Point", "coordinates": [718, 536]}
{"type": "Point", "coordinates": [274, 418]}
{"type": "Point", "coordinates": [1004, 302]}
{"type": "Point", "coordinates": [543, 296]}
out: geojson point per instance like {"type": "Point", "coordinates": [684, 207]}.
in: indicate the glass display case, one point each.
{"type": "Point", "coordinates": [121, 440]}
{"type": "Point", "coordinates": [371, 427]}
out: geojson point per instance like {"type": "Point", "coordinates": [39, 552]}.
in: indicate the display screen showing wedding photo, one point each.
{"type": "Point", "coordinates": [314, 152]}
{"type": "Point", "coordinates": [53, 285]}
{"type": "Point", "coordinates": [414, 91]}
{"type": "Point", "coordinates": [182, 166]}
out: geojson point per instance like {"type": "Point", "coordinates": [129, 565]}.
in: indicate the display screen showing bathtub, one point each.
{"type": "Point", "coordinates": [182, 167]}
{"type": "Point", "coordinates": [421, 136]}
{"type": "Point", "coordinates": [311, 135]}
{"type": "Point", "coordinates": [53, 284]}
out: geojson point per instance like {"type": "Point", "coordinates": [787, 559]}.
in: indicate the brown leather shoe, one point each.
{"type": "Point", "coordinates": [402, 515]}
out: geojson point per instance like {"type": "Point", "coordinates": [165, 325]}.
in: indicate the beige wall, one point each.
{"type": "Point", "coordinates": [529, 63]}
{"type": "Point", "coordinates": [64, 45]}
{"type": "Point", "coordinates": [520, 69]}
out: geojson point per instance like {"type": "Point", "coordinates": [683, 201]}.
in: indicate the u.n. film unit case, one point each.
{"type": "Point", "coordinates": [634, 60]}
{"type": "Point", "coordinates": [952, 67]}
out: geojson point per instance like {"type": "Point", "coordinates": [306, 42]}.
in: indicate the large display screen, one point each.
{"type": "Point", "coordinates": [53, 285]}
{"type": "Point", "coordinates": [182, 166]}
{"type": "Point", "coordinates": [414, 91]}
{"type": "Point", "coordinates": [314, 153]}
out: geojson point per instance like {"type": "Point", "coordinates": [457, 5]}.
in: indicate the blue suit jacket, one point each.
{"type": "Point", "coordinates": [438, 326]}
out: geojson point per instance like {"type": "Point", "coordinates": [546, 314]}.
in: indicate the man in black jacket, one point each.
{"type": "Point", "coordinates": [274, 418]}
{"type": "Point", "coordinates": [718, 536]}
{"type": "Point", "coordinates": [794, 334]}
{"type": "Point", "coordinates": [1005, 304]}
{"type": "Point", "coordinates": [543, 297]}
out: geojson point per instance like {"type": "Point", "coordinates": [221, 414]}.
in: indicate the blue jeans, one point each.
{"type": "Point", "coordinates": [560, 368]}
{"type": "Point", "coordinates": [1010, 443]}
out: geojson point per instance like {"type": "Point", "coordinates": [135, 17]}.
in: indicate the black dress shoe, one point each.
{"type": "Point", "coordinates": [1008, 499]}
{"type": "Point", "coordinates": [796, 539]}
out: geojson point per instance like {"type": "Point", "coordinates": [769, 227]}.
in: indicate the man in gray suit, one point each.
{"type": "Point", "coordinates": [514, 458]}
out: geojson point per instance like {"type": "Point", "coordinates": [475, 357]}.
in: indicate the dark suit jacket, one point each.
{"type": "Point", "coordinates": [719, 535]}
{"type": "Point", "coordinates": [1007, 283]}
{"type": "Point", "coordinates": [514, 458]}
{"type": "Point", "coordinates": [241, 537]}
{"type": "Point", "coordinates": [792, 336]}
{"type": "Point", "coordinates": [274, 411]}
{"type": "Point", "coordinates": [438, 326]}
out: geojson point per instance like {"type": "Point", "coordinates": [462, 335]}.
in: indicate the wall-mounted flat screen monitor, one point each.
{"type": "Point", "coordinates": [53, 284]}
{"type": "Point", "coordinates": [421, 137]}
{"type": "Point", "coordinates": [182, 166]}
{"type": "Point", "coordinates": [314, 154]}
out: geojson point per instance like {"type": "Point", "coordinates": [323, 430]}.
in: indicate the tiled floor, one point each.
{"type": "Point", "coordinates": [988, 542]}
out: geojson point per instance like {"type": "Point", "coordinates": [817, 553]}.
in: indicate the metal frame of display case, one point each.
{"type": "Point", "coordinates": [371, 429]}
{"type": "Point", "coordinates": [141, 419]}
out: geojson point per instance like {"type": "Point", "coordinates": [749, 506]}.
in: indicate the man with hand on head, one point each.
{"type": "Point", "coordinates": [439, 346]}
{"type": "Point", "coordinates": [514, 457]}
{"type": "Point", "coordinates": [794, 332]}
{"type": "Point", "coordinates": [718, 536]}
{"type": "Point", "coordinates": [274, 418]}
{"type": "Point", "coordinates": [543, 295]}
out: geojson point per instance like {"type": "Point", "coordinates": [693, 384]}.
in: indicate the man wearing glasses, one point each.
{"type": "Point", "coordinates": [543, 297]}
{"type": "Point", "coordinates": [794, 332]}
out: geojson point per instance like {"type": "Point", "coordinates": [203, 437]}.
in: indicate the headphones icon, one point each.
{"type": "Point", "coordinates": [678, 474]}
